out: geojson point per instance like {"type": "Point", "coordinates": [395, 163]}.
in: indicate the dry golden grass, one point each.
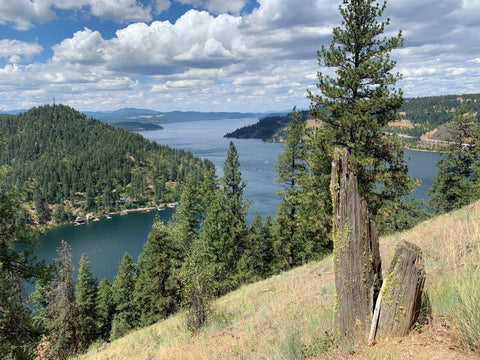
{"type": "Point", "coordinates": [278, 317]}
{"type": "Point", "coordinates": [404, 123]}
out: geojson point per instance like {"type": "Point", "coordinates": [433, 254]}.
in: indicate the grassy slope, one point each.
{"type": "Point", "coordinates": [278, 317]}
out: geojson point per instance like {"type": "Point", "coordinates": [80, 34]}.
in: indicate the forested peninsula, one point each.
{"type": "Point", "coordinates": [69, 164]}
{"type": "Point", "coordinates": [421, 121]}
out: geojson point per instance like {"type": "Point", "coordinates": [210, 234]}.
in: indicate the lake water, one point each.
{"type": "Point", "coordinates": [106, 241]}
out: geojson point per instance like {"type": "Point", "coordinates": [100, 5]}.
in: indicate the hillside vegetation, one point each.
{"type": "Point", "coordinates": [265, 129]}
{"type": "Point", "coordinates": [418, 117]}
{"type": "Point", "coordinates": [76, 164]}
{"type": "Point", "coordinates": [290, 316]}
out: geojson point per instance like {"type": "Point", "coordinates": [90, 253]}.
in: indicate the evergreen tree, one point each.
{"type": "Point", "coordinates": [157, 289]}
{"type": "Point", "coordinates": [358, 102]}
{"type": "Point", "coordinates": [197, 276]}
{"type": "Point", "coordinates": [126, 316]}
{"type": "Point", "coordinates": [194, 200]}
{"type": "Point", "coordinates": [19, 333]}
{"type": "Point", "coordinates": [455, 184]}
{"type": "Point", "coordinates": [219, 235]}
{"type": "Point", "coordinates": [256, 262]}
{"type": "Point", "coordinates": [315, 214]}
{"type": "Point", "coordinates": [288, 245]}
{"type": "Point", "coordinates": [105, 309]}
{"type": "Point", "coordinates": [223, 231]}
{"type": "Point", "coordinates": [233, 185]}
{"type": "Point", "coordinates": [86, 297]}
{"type": "Point", "coordinates": [61, 317]}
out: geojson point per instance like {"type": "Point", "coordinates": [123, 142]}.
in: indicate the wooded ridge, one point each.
{"type": "Point", "coordinates": [417, 117]}
{"type": "Point", "coordinates": [76, 164]}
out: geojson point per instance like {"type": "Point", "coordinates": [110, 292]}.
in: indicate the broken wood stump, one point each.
{"type": "Point", "coordinates": [357, 262]}
{"type": "Point", "coordinates": [398, 306]}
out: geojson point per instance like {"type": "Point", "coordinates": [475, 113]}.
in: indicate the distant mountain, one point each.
{"type": "Point", "coordinates": [12, 112]}
{"type": "Point", "coordinates": [156, 117]}
{"type": "Point", "coordinates": [125, 115]}
{"type": "Point", "coordinates": [137, 126]}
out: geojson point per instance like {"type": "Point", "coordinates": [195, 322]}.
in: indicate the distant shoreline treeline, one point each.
{"type": "Point", "coordinates": [421, 115]}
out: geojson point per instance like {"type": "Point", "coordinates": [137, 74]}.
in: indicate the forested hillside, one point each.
{"type": "Point", "coordinates": [418, 116]}
{"type": "Point", "coordinates": [76, 164]}
{"type": "Point", "coordinates": [265, 129]}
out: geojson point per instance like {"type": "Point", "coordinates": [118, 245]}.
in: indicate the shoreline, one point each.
{"type": "Point", "coordinates": [43, 229]}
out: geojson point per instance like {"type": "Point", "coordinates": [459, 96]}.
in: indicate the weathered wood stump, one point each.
{"type": "Point", "coordinates": [401, 294]}
{"type": "Point", "coordinates": [357, 263]}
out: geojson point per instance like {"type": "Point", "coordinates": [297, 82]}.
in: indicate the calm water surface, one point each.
{"type": "Point", "coordinates": [106, 241]}
{"type": "Point", "coordinates": [257, 159]}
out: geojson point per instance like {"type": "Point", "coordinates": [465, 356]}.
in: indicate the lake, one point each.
{"type": "Point", "coordinates": [106, 241]}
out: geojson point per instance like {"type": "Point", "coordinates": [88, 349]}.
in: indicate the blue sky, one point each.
{"type": "Point", "coordinates": [213, 55]}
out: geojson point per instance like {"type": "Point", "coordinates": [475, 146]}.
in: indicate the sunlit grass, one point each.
{"type": "Point", "coordinates": [290, 316]}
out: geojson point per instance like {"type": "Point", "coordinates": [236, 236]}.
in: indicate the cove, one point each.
{"type": "Point", "coordinates": [106, 241]}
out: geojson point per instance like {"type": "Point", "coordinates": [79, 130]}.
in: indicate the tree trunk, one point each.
{"type": "Point", "coordinates": [401, 292]}
{"type": "Point", "coordinates": [356, 256]}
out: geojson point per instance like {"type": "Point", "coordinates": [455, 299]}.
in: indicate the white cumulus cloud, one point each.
{"type": "Point", "coordinates": [217, 6]}
{"type": "Point", "coordinates": [86, 47]}
{"type": "Point", "coordinates": [219, 54]}
{"type": "Point", "coordinates": [120, 10]}
{"type": "Point", "coordinates": [25, 13]}
{"type": "Point", "coordinates": [14, 50]}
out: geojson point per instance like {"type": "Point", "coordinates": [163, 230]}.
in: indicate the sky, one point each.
{"type": "Point", "coordinates": [213, 55]}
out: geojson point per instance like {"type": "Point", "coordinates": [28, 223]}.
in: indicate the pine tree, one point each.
{"type": "Point", "coordinates": [455, 184]}
{"type": "Point", "coordinates": [288, 245]}
{"type": "Point", "coordinates": [105, 309]}
{"type": "Point", "coordinates": [195, 198]}
{"type": "Point", "coordinates": [360, 100]}
{"type": "Point", "coordinates": [126, 315]}
{"type": "Point", "coordinates": [219, 234]}
{"type": "Point", "coordinates": [223, 231]}
{"type": "Point", "coordinates": [157, 290]}
{"type": "Point", "coordinates": [256, 262]}
{"type": "Point", "coordinates": [197, 276]}
{"type": "Point", "coordinates": [315, 213]}
{"type": "Point", "coordinates": [86, 297]}
{"type": "Point", "coordinates": [19, 333]}
{"type": "Point", "coordinates": [60, 315]}
{"type": "Point", "coordinates": [233, 185]}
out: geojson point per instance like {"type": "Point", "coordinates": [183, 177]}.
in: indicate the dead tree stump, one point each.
{"type": "Point", "coordinates": [357, 263]}
{"type": "Point", "coordinates": [401, 293]}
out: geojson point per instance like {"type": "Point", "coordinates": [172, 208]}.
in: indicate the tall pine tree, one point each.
{"type": "Point", "coordinates": [315, 214]}
{"type": "Point", "coordinates": [86, 298]}
{"type": "Point", "coordinates": [357, 103]}
{"type": "Point", "coordinates": [157, 289]}
{"type": "Point", "coordinates": [288, 244]}
{"type": "Point", "coordinates": [126, 314]}
{"type": "Point", "coordinates": [60, 313]}
{"type": "Point", "coordinates": [223, 232]}
{"type": "Point", "coordinates": [105, 309]}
